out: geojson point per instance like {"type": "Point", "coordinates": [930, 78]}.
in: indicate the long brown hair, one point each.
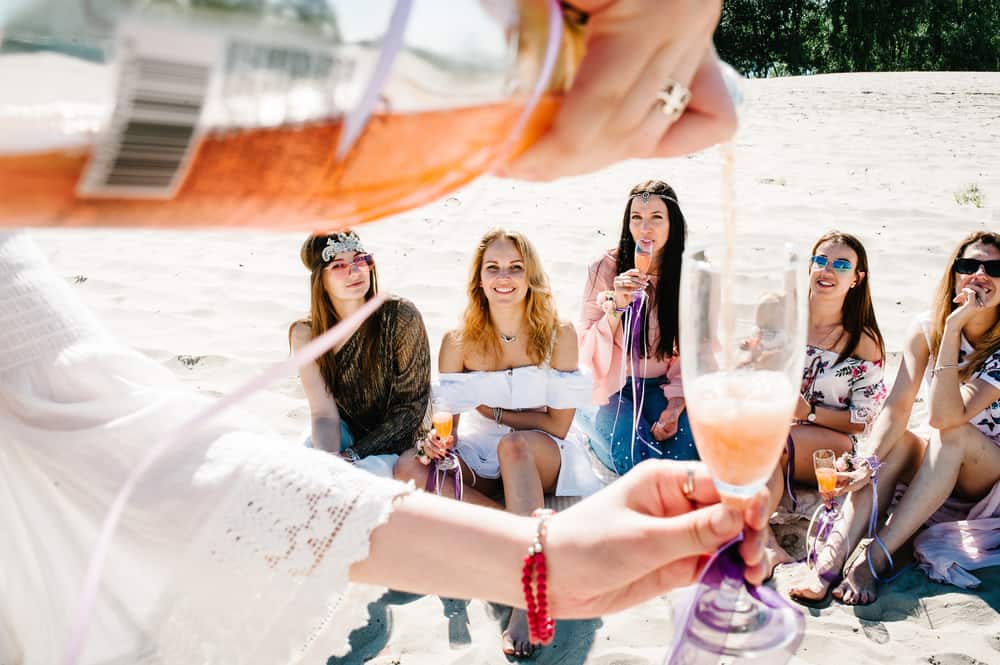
{"type": "Point", "coordinates": [857, 314]}
{"type": "Point", "coordinates": [668, 288]}
{"type": "Point", "coordinates": [322, 315]}
{"type": "Point", "coordinates": [478, 334]}
{"type": "Point", "coordinates": [944, 305]}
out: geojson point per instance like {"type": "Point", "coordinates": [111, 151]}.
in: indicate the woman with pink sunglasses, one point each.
{"type": "Point", "coordinates": [368, 399]}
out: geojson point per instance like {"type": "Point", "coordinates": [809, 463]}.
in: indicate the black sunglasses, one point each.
{"type": "Point", "coordinates": [971, 266]}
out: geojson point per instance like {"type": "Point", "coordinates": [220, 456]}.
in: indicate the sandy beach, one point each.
{"type": "Point", "coordinates": [883, 156]}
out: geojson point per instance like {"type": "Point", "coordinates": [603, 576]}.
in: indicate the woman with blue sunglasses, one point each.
{"type": "Point", "coordinates": [842, 380]}
{"type": "Point", "coordinates": [954, 351]}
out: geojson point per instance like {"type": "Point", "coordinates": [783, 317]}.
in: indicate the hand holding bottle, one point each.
{"type": "Point", "coordinates": [612, 112]}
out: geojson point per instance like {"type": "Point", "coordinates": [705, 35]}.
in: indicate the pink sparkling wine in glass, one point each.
{"type": "Point", "coordinates": [644, 255]}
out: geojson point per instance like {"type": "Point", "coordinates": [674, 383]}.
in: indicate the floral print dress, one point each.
{"type": "Point", "coordinates": [852, 384]}
{"type": "Point", "coordinates": [986, 421]}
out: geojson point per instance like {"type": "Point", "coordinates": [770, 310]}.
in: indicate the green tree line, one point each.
{"type": "Point", "coordinates": [779, 37]}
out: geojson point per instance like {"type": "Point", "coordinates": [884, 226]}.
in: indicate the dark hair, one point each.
{"type": "Point", "coordinates": [667, 296]}
{"type": "Point", "coordinates": [322, 315]}
{"type": "Point", "coordinates": [944, 304]}
{"type": "Point", "coordinates": [857, 314]}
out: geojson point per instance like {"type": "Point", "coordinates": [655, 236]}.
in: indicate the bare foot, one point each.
{"type": "Point", "coordinates": [774, 555]}
{"type": "Point", "coordinates": [516, 640]}
{"type": "Point", "coordinates": [818, 579]}
{"type": "Point", "coordinates": [859, 586]}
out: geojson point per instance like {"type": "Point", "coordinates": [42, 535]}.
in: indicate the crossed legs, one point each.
{"type": "Point", "coordinates": [958, 461]}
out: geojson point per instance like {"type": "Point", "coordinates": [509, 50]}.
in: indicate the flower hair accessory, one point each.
{"type": "Point", "coordinates": [606, 301]}
{"type": "Point", "coordinates": [342, 242]}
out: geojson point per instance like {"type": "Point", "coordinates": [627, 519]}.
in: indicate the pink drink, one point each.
{"type": "Point", "coordinates": [643, 261]}
{"type": "Point", "coordinates": [643, 255]}
{"type": "Point", "coordinates": [740, 422]}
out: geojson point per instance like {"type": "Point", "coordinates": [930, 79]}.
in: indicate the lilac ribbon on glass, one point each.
{"type": "Point", "coordinates": [693, 645]}
{"type": "Point", "coordinates": [823, 519]}
{"type": "Point", "coordinates": [392, 43]}
{"type": "Point", "coordinates": [438, 472]}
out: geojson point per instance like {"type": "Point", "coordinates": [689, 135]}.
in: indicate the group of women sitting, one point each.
{"type": "Point", "coordinates": [511, 376]}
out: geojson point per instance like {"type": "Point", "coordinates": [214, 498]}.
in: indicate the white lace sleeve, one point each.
{"type": "Point", "coordinates": [265, 580]}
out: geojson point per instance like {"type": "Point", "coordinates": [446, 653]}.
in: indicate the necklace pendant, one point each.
{"type": "Point", "coordinates": [509, 339]}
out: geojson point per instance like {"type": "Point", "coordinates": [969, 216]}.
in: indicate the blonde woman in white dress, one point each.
{"type": "Point", "coordinates": [510, 376]}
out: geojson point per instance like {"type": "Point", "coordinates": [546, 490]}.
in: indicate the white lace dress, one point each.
{"type": "Point", "coordinates": [522, 388]}
{"type": "Point", "coordinates": [234, 549]}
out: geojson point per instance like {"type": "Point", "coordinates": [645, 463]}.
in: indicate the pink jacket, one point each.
{"type": "Point", "coordinates": [602, 351]}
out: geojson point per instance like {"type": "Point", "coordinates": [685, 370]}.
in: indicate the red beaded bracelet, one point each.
{"type": "Point", "coordinates": [541, 626]}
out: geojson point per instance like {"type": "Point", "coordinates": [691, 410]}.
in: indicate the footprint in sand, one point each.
{"type": "Point", "coordinates": [875, 631]}
{"type": "Point", "coordinates": [190, 361]}
{"type": "Point", "coordinates": [953, 659]}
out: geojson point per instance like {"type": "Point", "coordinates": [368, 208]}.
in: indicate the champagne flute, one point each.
{"type": "Point", "coordinates": [442, 422]}
{"type": "Point", "coordinates": [740, 405]}
{"type": "Point", "coordinates": [824, 462]}
{"type": "Point", "coordinates": [644, 255]}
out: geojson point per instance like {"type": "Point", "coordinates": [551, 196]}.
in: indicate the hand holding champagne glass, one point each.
{"type": "Point", "coordinates": [740, 406]}
{"type": "Point", "coordinates": [442, 422]}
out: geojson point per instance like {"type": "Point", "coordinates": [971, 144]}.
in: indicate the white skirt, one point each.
{"type": "Point", "coordinates": [478, 438]}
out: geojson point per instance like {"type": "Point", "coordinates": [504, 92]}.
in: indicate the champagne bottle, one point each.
{"type": "Point", "coordinates": [310, 114]}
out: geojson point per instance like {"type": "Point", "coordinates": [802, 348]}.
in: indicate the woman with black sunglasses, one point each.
{"type": "Point", "coordinates": [955, 351]}
{"type": "Point", "coordinates": [368, 399]}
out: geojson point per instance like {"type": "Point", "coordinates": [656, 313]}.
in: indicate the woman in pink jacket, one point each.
{"type": "Point", "coordinates": [628, 336]}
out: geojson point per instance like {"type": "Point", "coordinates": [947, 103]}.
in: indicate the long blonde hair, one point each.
{"type": "Point", "coordinates": [944, 305]}
{"type": "Point", "coordinates": [478, 334]}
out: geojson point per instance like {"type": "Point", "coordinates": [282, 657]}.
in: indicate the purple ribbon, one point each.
{"type": "Point", "coordinates": [823, 518]}
{"type": "Point", "coordinates": [392, 43]}
{"type": "Point", "coordinates": [703, 626]}
{"type": "Point", "coordinates": [875, 464]}
{"type": "Point", "coordinates": [438, 473]}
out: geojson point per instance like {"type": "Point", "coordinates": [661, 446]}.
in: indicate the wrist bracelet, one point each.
{"type": "Point", "coordinates": [541, 626]}
{"type": "Point", "coordinates": [497, 415]}
{"type": "Point", "coordinates": [934, 372]}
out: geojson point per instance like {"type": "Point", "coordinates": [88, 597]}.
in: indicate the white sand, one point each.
{"type": "Point", "coordinates": [881, 156]}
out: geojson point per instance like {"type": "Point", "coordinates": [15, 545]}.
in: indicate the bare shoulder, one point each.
{"type": "Point", "coordinates": [299, 334]}
{"type": "Point", "coordinates": [451, 357]}
{"type": "Point", "coordinates": [566, 334]}
{"type": "Point", "coordinates": [565, 355]}
{"type": "Point", "coordinates": [868, 349]}
{"type": "Point", "coordinates": [916, 339]}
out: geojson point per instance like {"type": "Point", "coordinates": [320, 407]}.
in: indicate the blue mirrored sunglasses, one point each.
{"type": "Point", "coordinates": [840, 265]}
